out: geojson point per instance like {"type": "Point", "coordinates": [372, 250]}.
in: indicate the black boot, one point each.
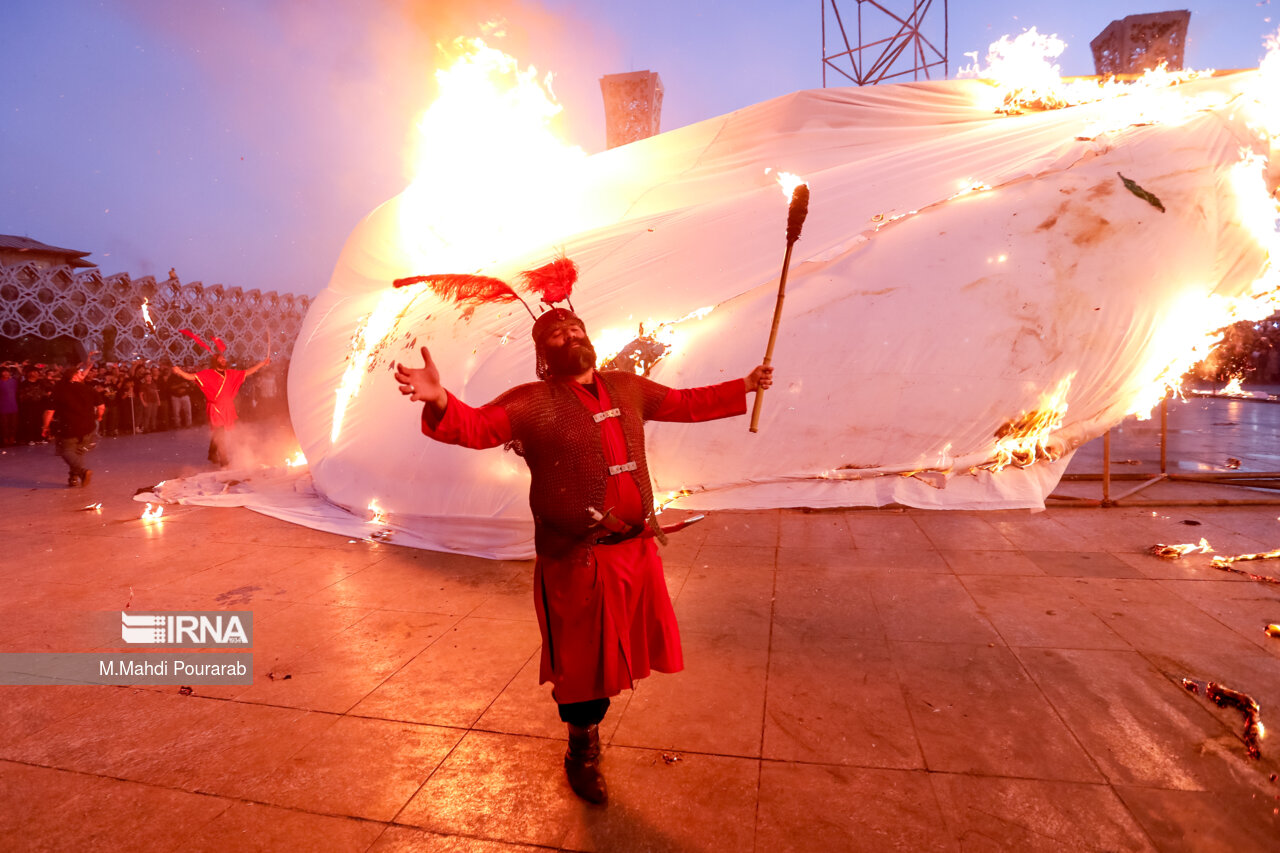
{"type": "Point", "coordinates": [582, 764]}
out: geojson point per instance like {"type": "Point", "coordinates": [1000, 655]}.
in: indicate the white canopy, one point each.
{"type": "Point", "coordinates": [956, 267]}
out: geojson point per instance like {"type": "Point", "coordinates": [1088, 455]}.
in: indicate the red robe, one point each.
{"type": "Point", "coordinates": [220, 388]}
{"type": "Point", "coordinates": [604, 610]}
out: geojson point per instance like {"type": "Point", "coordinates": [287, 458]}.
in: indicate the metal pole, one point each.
{"type": "Point", "coordinates": [824, 44]}
{"type": "Point", "coordinates": [1164, 434]}
{"type": "Point", "coordinates": [1106, 468]}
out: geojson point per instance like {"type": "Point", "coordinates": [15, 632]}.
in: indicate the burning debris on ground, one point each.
{"type": "Point", "coordinates": [1174, 552]}
{"type": "Point", "coordinates": [1225, 697]}
{"type": "Point", "coordinates": [1225, 564]}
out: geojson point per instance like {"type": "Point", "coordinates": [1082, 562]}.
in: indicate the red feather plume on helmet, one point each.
{"type": "Point", "coordinates": [552, 282]}
{"type": "Point", "coordinates": [200, 343]}
{"type": "Point", "coordinates": [466, 290]}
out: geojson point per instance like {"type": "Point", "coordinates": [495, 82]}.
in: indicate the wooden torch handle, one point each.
{"type": "Point", "coordinates": [773, 336]}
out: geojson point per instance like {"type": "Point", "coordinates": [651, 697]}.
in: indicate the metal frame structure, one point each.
{"type": "Point", "coordinates": [889, 43]}
{"type": "Point", "coordinates": [1244, 479]}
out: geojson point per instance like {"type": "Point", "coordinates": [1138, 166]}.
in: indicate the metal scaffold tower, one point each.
{"type": "Point", "coordinates": [873, 41]}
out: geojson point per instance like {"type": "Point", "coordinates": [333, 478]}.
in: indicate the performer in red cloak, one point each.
{"type": "Point", "coordinates": [219, 383]}
{"type": "Point", "coordinates": [599, 591]}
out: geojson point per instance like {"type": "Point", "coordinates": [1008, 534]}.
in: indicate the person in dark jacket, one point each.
{"type": "Point", "coordinates": [72, 421]}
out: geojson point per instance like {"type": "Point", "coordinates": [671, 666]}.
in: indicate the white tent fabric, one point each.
{"type": "Point", "coordinates": [919, 318]}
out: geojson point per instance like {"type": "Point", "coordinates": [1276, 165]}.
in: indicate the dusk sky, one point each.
{"type": "Point", "coordinates": [241, 141]}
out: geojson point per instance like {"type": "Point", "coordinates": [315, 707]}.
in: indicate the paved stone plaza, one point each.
{"type": "Point", "coordinates": [856, 680]}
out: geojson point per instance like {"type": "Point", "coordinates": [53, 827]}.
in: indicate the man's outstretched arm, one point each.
{"type": "Point", "coordinates": [708, 403]}
{"type": "Point", "coordinates": [249, 371]}
{"type": "Point", "coordinates": [445, 417]}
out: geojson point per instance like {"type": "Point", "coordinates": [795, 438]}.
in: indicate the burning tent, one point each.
{"type": "Point", "coordinates": [976, 293]}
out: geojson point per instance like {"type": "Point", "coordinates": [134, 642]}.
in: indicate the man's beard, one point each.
{"type": "Point", "coordinates": [571, 359]}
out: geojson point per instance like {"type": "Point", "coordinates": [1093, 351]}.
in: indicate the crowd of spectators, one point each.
{"type": "Point", "coordinates": [139, 397]}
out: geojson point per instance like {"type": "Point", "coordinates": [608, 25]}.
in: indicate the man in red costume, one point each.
{"type": "Point", "coordinates": [599, 591]}
{"type": "Point", "coordinates": [220, 384]}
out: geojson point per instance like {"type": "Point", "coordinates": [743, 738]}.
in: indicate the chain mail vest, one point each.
{"type": "Point", "coordinates": [562, 446]}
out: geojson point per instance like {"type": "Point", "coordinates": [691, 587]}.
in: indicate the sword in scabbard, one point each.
{"type": "Point", "coordinates": [682, 524]}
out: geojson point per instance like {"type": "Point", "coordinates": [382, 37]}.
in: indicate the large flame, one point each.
{"type": "Point", "coordinates": [1023, 76]}
{"type": "Point", "coordinates": [490, 177]}
{"type": "Point", "coordinates": [1194, 325]}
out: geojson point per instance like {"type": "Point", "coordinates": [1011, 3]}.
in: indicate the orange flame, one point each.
{"type": "Point", "coordinates": [789, 181]}
{"type": "Point", "coordinates": [489, 177]}
{"type": "Point", "coordinates": [609, 342]}
{"type": "Point", "coordinates": [1028, 438]}
{"type": "Point", "coordinates": [1173, 552]}
{"type": "Point", "coordinates": [489, 172]}
{"type": "Point", "coordinates": [1220, 562]}
{"type": "Point", "coordinates": [1023, 77]}
{"type": "Point", "coordinates": [152, 512]}
{"type": "Point", "coordinates": [1234, 389]}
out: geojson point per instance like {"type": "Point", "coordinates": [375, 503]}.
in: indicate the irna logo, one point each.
{"type": "Point", "coordinates": [189, 629]}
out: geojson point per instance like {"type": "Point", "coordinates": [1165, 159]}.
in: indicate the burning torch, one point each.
{"type": "Point", "coordinates": [796, 212]}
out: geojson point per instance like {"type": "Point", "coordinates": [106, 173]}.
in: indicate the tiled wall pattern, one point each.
{"type": "Point", "coordinates": [56, 301]}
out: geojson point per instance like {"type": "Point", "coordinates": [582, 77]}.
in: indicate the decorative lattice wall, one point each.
{"type": "Point", "coordinates": [105, 314]}
{"type": "Point", "coordinates": [1139, 43]}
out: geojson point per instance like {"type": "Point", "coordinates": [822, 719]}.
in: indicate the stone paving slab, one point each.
{"type": "Point", "coordinates": [856, 680]}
